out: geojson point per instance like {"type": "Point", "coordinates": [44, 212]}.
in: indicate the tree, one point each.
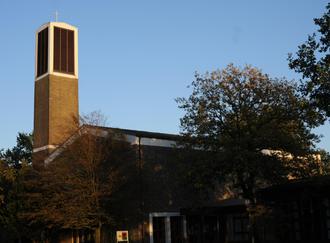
{"type": "Point", "coordinates": [312, 60]}
{"type": "Point", "coordinates": [252, 126]}
{"type": "Point", "coordinates": [13, 165]}
{"type": "Point", "coordinates": [21, 152]}
{"type": "Point", "coordinates": [74, 191]}
{"type": "Point", "coordinates": [7, 178]}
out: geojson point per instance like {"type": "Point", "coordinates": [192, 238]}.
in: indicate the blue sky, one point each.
{"type": "Point", "coordinates": [136, 57]}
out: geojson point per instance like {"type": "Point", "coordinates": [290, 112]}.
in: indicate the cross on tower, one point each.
{"type": "Point", "coordinates": [56, 16]}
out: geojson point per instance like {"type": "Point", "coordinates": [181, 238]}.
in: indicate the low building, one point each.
{"type": "Point", "coordinates": [300, 209]}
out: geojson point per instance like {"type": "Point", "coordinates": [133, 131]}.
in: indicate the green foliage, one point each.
{"type": "Point", "coordinates": [312, 60]}
{"type": "Point", "coordinates": [248, 122]}
{"type": "Point", "coordinates": [13, 165]}
{"type": "Point", "coordinates": [20, 153]}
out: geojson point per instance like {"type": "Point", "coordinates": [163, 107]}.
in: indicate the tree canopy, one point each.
{"type": "Point", "coordinates": [312, 60]}
{"type": "Point", "coordinates": [21, 152]}
{"type": "Point", "coordinates": [13, 165]}
{"type": "Point", "coordinates": [79, 182]}
{"type": "Point", "coordinates": [253, 126]}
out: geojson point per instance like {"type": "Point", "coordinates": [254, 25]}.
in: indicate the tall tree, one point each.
{"type": "Point", "coordinates": [312, 60]}
{"type": "Point", "coordinates": [252, 125]}
{"type": "Point", "coordinates": [73, 191]}
{"type": "Point", "coordinates": [13, 165]}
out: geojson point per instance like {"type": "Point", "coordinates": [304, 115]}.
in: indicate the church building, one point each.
{"type": "Point", "coordinates": [56, 125]}
{"type": "Point", "coordinates": [157, 208]}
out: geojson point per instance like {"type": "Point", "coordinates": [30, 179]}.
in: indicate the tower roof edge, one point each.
{"type": "Point", "coordinates": [63, 25]}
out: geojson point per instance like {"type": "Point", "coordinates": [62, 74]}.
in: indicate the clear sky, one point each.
{"type": "Point", "coordinates": [137, 56]}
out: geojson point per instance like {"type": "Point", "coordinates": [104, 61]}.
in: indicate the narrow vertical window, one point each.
{"type": "Point", "coordinates": [159, 230]}
{"type": "Point", "coordinates": [63, 50]}
{"type": "Point", "coordinates": [42, 52]}
{"type": "Point", "coordinates": [57, 48]}
{"type": "Point", "coordinates": [70, 52]}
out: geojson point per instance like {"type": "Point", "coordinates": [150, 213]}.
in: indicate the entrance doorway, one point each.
{"type": "Point", "coordinates": [167, 228]}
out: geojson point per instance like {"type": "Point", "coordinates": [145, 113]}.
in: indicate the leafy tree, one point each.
{"type": "Point", "coordinates": [312, 60]}
{"type": "Point", "coordinates": [256, 129]}
{"type": "Point", "coordinates": [13, 164]}
{"type": "Point", "coordinates": [7, 178]}
{"type": "Point", "coordinates": [21, 152]}
{"type": "Point", "coordinates": [325, 158]}
{"type": "Point", "coordinates": [73, 191]}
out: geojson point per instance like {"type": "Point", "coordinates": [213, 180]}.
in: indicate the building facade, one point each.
{"type": "Point", "coordinates": [155, 205]}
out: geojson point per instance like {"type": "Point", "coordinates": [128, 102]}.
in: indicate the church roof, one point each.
{"type": "Point", "coordinates": [133, 136]}
{"type": "Point", "coordinates": [139, 133]}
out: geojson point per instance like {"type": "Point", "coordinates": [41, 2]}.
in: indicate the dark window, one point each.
{"type": "Point", "coordinates": [194, 229]}
{"type": "Point", "coordinates": [63, 50]}
{"type": "Point", "coordinates": [241, 224]}
{"type": "Point", "coordinates": [176, 229]}
{"type": "Point", "coordinates": [159, 229]}
{"type": "Point", "coordinates": [57, 35]}
{"type": "Point", "coordinates": [210, 229]}
{"type": "Point", "coordinates": [42, 52]}
{"type": "Point", "coordinates": [70, 52]}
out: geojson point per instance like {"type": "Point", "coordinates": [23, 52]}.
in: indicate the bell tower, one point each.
{"type": "Point", "coordinates": [55, 87]}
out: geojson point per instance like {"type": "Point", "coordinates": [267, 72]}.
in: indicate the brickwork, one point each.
{"type": "Point", "coordinates": [154, 185]}
{"type": "Point", "coordinates": [41, 113]}
{"type": "Point", "coordinates": [55, 110]}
